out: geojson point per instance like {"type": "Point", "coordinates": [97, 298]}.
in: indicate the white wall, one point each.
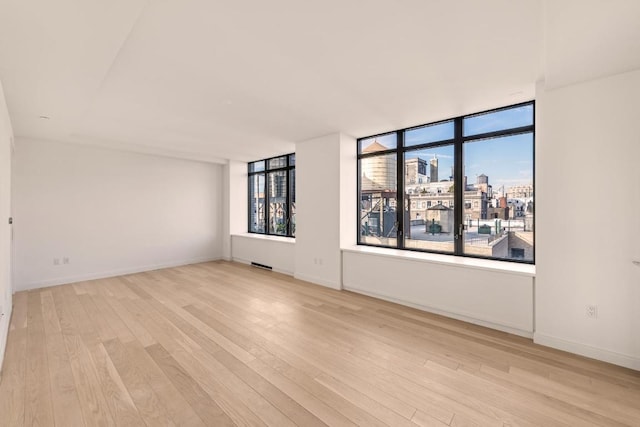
{"type": "Point", "coordinates": [235, 204]}
{"type": "Point", "coordinates": [317, 255]}
{"type": "Point", "coordinates": [348, 191]}
{"type": "Point", "coordinates": [490, 297]}
{"type": "Point", "coordinates": [275, 252]}
{"type": "Point", "coordinates": [325, 175]}
{"type": "Point", "coordinates": [587, 207]}
{"type": "Point", "coordinates": [5, 229]}
{"type": "Point", "coordinates": [109, 212]}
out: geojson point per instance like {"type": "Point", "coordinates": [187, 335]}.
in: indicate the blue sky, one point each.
{"type": "Point", "coordinates": [506, 161]}
{"type": "Point", "coordinates": [498, 120]}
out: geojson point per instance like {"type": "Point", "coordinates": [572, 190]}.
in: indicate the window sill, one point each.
{"type": "Point", "coordinates": [280, 239]}
{"type": "Point", "coordinates": [456, 261]}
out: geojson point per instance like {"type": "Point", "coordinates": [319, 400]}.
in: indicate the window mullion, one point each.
{"type": "Point", "coordinates": [400, 189]}
{"type": "Point", "coordinates": [267, 207]}
{"type": "Point", "coordinates": [249, 197]}
{"type": "Point", "coordinates": [458, 188]}
{"type": "Point", "coordinates": [287, 218]}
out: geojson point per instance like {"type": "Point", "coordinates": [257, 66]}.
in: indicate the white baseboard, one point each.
{"type": "Point", "coordinates": [468, 319]}
{"type": "Point", "coordinates": [318, 281]}
{"type": "Point", "coordinates": [112, 273]}
{"type": "Point", "coordinates": [588, 351]}
{"type": "Point", "coordinates": [5, 321]}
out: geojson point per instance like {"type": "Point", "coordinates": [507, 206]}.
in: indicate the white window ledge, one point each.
{"type": "Point", "coordinates": [457, 261]}
{"type": "Point", "coordinates": [280, 239]}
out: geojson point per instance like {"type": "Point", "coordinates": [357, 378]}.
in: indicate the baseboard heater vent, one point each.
{"type": "Point", "coordinates": [266, 267]}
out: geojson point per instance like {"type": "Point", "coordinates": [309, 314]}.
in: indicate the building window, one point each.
{"type": "Point", "coordinates": [480, 166]}
{"type": "Point", "coordinates": [272, 196]}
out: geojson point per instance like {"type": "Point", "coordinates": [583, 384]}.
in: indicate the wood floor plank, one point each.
{"type": "Point", "coordinates": [221, 343]}
{"type": "Point", "coordinates": [200, 401]}
{"type": "Point", "coordinates": [100, 323]}
{"type": "Point", "coordinates": [292, 409]}
{"type": "Point", "coordinates": [13, 384]}
{"type": "Point", "coordinates": [230, 398]}
{"type": "Point", "coordinates": [343, 364]}
{"type": "Point", "coordinates": [313, 404]}
{"type": "Point", "coordinates": [12, 380]}
{"type": "Point", "coordinates": [109, 316]}
{"type": "Point", "coordinates": [66, 405]}
{"type": "Point", "coordinates": [19, 312]}
{"type": "Point", "coordinates": [123, 410]}
{"type": "Point", "coordinates": [149, 405]}
{"type": "Point", "coordinates": [38, 405]}
{"type": "Point", "coordinates": [364, 402]}
{"type": "Point", "coordinates": [95, 409]}
{"type": "Point", "coordinates": [425, 420]}
{"type": "Point", "coordinates": [174, 402]}
{"type": "Point", "coordinates": [162, 331]}
{"type": "Point", "coordinates": [131, 321]}
{"type": "Point", "coordinates": [267, 349]}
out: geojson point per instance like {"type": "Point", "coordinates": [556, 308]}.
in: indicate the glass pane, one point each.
{"type": "Point", "coordinates": [498, 120]}
{"type": "Point", "coordinates": [292, 159]}
{"type": "Point", "coordinates": [277, 184]}
{"type": "Point", "coordinates": [256, 203]}
{"type": "Point", "coordinates": [378, 143]}
{"type": "Point", "coordinates": [429, 194]}
{"type": "Point", "coordinates": [256, 166]}
{"type": "Point", "coordinates": [429, 133]}
{"type": "Point", "coordinates": [498, 200]}
{"type": "Point", "coordinates": [292, 196]}
{"type": "Point", "coordinates": [378, 200]}
{"type": "Point", "coordinates": [278, 162]}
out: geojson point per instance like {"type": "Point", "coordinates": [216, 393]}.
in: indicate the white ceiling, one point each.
{"type": "Point", "coordinates": [213, 80]}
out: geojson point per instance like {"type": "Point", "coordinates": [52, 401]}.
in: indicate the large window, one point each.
{"type": "Point", "coordinates": [272, 200]}
{"type": "Point", "coordinates": [462, 186]}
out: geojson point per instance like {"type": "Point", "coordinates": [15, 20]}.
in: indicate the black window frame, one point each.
{"type": "Point", "coordinates": [289, 168]}
{"type": "Point", "coordinates": [458, 142]}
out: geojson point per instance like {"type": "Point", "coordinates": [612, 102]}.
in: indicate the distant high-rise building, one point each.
{"type": "Point", "coordinates": [434, 169]}
{"type": "Point", "coordinates": [415, 171]}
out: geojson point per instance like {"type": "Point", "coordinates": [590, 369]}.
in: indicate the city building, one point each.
{"type": "Point", "coordinates": [433, 169]}
{"type": "Point", "coordinates": [521, 191]}
{"type": "Point", "coordinates": [416, 172]}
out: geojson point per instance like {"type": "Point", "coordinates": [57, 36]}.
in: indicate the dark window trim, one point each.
{"type": "Point", "coordinates": [458, 142]}
{"type": "Point", "coordinates": [288, 168]}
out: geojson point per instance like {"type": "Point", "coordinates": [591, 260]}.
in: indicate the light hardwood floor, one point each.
{"type": "Point", "coordinates": [220, 344]}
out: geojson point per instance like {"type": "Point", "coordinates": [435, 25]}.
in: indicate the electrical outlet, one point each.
{"type": "Point", "coordinates": [592, 311]}
{"type": "Point", "coordinates": [56, 261]}
{"type": "Point", "coordinates": [65, 260]}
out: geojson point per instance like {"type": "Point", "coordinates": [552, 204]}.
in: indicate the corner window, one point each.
{"type": "Point", "coordinates": [272, 201]}
{"type": "Point", "coordinates": [463, 186]}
